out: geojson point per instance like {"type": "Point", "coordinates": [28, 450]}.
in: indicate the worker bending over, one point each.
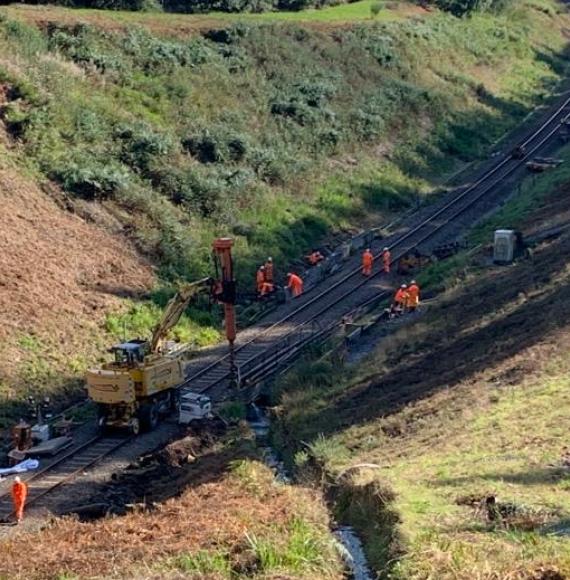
{"type": "Point", "coordinates": [367, 262]}
{"type": "Point", "coordinates": [295, 284]}
{"type": "Point", "coordinates": [269, 271]}
{"type": "Point", "coordinates": [413, 296]}
{"type": "Point", "coordinates": [386, 259]}
{"type": "Point", "coordinates": [260, 279]}
{"type": "Point", "coordinates": [315, 257]}
{"type": "Point", "coordinates": [400, 299]}
{"type": "Point", "coordinates": [19, 495]}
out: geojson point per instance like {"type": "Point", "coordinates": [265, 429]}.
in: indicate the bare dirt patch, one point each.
{"type": "Point", "coordinates": [59, 274]}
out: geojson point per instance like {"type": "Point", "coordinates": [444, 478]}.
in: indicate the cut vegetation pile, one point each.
{"type": "Point", "coordinates": [277, 134]}
{"type": "Point", "coordinates": [230, 519]}
{"type": "Point", "coordinates": [461, 418]}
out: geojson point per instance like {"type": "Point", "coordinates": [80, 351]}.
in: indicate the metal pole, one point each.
{"type": "Point", "coordinates": [234, 381]}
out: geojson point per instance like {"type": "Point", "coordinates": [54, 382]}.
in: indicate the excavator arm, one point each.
{"type": "Point", "coordinates": [175, 309]}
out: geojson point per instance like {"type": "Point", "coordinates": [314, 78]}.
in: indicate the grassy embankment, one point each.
{"type": "Point", "coordinates": [468, 402]}
{"type": "Point", "coordinates": [274, 133]}
{"type": "Point", "coordinates": [344, 13]}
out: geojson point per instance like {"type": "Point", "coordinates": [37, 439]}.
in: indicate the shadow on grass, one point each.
{"type": "Point", "coordinates": [464, 347]}
{"type": "Point", "coordinates": [539, 476]}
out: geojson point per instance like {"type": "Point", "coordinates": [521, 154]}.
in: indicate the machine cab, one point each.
{"type": "Point", "coordinates": [194, 406]}
{"type": "Point", "coordinates": [130, 354]}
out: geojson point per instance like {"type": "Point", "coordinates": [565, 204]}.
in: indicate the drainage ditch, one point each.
{"type": "Point", "coordinates": [350, 546]}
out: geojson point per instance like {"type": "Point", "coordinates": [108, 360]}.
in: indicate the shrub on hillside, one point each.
{"type": "Point", "coordinates": [461, 7]}
{"type": "Point", "coordinates": [216, 144]}
{"type": "Point", "coordinates": [91, 179]}
{"type": "Point", "coordinates": [85, 46]}
{"type": "Point", "coordinates": [141, 145]}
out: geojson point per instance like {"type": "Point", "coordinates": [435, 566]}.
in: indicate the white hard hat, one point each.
{"type": "Point", "coordinates": [386, 249]}
{"type": "Point", "coordinates": [404, 286]}
{"type": "Point", "coordinates": [270, 259]}
{"type": "Point", "coordinates": [367, 249]}
{"type": "Point", "coordinates": [17, 479]}
{"type": "Point", "coordinates": [413, 282]}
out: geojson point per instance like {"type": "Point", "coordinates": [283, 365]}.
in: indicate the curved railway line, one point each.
{"type": "Point", "coordinates": [287, 336]}
{"type": "Point", "coordinates": [266, 347]}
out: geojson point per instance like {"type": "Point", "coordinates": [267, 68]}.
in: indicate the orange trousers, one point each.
{"type": "Point", "coordinates": [296, 290]}
{"type": "Point", "coordinates": [19, 494]}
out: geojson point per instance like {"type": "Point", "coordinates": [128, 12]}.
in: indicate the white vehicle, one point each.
{"type": "Point", "coordinates": [194, 407]}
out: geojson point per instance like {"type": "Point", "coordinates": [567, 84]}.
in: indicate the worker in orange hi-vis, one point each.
{"type": "Point", "coordinates": [19, 494]}
{"type": "Point", "coordinates": [367, 262]}
{"type": "Point", "coordinates": [401, 298]}
{"type": "Point", "coordinates": [269, 271]}
{"type": "Point", "coordinates": [260, 278]}
{"type": "Point", "coordinates": [386, 259]}
{"type": "Point", "coordinates": [315, 257]}
{"type": "Point", "coordinates": [413, 296]}
{"type": "Point", "coordinates": [295, 284]}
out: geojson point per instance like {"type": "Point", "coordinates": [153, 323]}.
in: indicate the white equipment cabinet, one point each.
{"type": "Point", "coordinates": [504, 246]}
{"type": "Point", "coordinates": [194, 407]}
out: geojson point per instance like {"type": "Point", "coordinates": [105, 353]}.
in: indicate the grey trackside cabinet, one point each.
{"type": "Point", "coordinates": [504, 246]}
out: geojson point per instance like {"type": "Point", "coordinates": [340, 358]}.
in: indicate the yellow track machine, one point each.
{"type": "Point", "coordinates": [140, 384]}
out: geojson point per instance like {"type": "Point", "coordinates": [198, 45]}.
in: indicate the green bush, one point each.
{"type": "Point", "coordinates": [216, 145]}
{"type": "Point", "coordinates": [141, 146]}
{"type": "Point", "coordinates": [376, 8]}
{"type": "Point", "coordinates": [461, 7]}
{"type": "Point", "coordinates": [91, 179]}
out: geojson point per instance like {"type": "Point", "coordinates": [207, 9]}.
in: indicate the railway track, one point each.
{"type": "Point", "coordinates": [64, 469]}
{"type": "Point", "coordinates": [267, 346]}
{"type": "Point", "coordinates": [319, 314]}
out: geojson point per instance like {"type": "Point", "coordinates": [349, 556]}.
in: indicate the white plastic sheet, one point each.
{"type": "Point", "coordinates": [22, 467]}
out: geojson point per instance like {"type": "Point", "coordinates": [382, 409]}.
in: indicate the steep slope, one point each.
{"type": "Point", "coordinates": [464, 413]}
{"type": "Point", "coordinates": [61, 270]}
{"type": "Point", "coordinates": [276, 133]}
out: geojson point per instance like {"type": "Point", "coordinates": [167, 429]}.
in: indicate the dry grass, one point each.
{"type": "Point", "coordinates": [212, 522]}
{"type": "Point", "coordinates": [63, 267]}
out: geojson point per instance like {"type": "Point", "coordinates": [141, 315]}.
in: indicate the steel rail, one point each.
{"type": "Point", "coordinates": [383, 295]}
{"type": "Point", "coordinates": [66, 476]}
{"type": "Point", "coordinates": [491, 173]}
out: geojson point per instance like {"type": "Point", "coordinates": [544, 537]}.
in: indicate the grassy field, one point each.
{"type": "Point", "coordinates": [468, 402]}
{"type": "Point", "coordinates": [345, 13]}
